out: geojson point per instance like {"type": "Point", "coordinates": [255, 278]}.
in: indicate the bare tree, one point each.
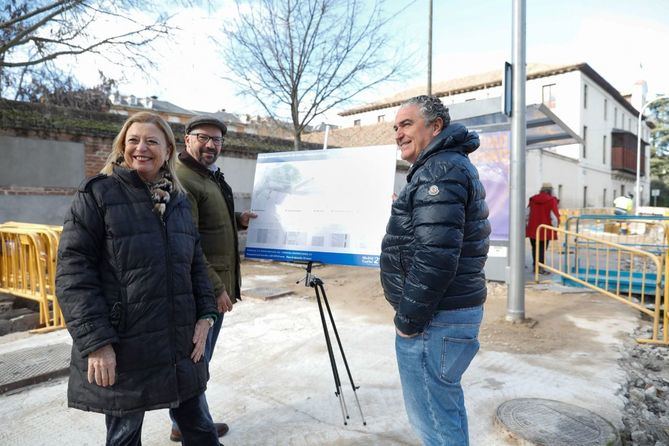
{"type": "Point", "coordinates": [56, 88]}
{"type": "Point", "coordinates": [33, 33]}
{"type": "Point", "coordinates": [307, 56]}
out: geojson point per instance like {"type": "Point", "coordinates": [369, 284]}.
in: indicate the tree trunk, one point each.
{"type": "Point", "coordinates": [297, 141]}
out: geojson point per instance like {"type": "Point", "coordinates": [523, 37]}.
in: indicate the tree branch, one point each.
{"type": "Point", "coordinates": [35, 12]}
{"type": "Point", "coordinates": [40, 23]}
{"type": "Point", "coordinates": [76, 50]}
{"type": "Point", "coordinates": [309, 55]}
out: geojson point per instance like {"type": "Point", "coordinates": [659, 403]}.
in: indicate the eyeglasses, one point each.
{"type": "Point", "coordinates": [204, 139]}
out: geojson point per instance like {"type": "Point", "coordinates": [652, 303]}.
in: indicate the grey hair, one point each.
{"type": "Point", "coordinates": [430, 108]}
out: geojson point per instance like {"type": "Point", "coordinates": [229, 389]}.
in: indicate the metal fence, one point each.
{"type": "Point", "coordinates": [28, 254]}
{"type": "Point", "coordinates": [648, 233]}
{"type": "Point", "coordinates": [624, 272]}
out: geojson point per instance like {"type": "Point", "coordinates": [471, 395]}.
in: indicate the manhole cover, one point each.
{"type": "Point", "coordinates": [552, 423]}
{"type": "Point", "coordinates": [33, 365]}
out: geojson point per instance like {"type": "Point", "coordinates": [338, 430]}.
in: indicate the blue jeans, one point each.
{"type": "Point", "coordinates": [196, 425]}
{"type": "Point", "coordinates": [212, 336]}
{"type": "Point", "coordinates": [431, 365]}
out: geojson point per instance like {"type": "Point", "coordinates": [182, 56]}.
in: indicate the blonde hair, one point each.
{"type": "Point", "coordinates": [118, 147]}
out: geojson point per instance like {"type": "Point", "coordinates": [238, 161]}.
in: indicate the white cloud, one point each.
{"type": "Point", "coordinates": [189, 65]}
{"type": "Point", "coordinates": [614, 44]}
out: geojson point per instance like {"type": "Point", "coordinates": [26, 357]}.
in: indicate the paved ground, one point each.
{"type": "Point", "coordinates": [271, 378]}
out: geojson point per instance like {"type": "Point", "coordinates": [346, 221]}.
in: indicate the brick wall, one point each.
{"type": "Point", "coordinates": [96, 152]}
{"type": "Point", "coordinates": [61, 137]}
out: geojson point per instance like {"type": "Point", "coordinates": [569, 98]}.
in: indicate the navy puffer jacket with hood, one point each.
{"type": "Point", "coordinates": [436, 241]}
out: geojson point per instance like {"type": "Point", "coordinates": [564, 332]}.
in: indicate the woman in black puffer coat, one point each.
{"type": "Point", "coordinates": [133, 287]}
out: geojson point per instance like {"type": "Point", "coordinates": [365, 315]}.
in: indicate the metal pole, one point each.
{"type": "Point", "coordinates": [515, 308]}
{"type": "Point", "coordinates": [429, 55]}
{"type": "Point", "coordinates": [325, 139]}
{"type": "Point", "coordinates": [637, 188]}
{"type": "Point", "coordinates": [637, 197]}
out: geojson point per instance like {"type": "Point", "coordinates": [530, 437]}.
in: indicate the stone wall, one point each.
{"type": "Point", "coordinates": [48, 150]}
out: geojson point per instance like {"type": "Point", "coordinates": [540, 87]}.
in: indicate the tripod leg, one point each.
{"type": "Point", "coordinates": [333, 363]}
{"type": "Point", "coordinates": [341, 350]}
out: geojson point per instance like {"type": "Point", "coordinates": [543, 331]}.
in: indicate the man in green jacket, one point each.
{"type": "Point", "coordinates": [214, 214]}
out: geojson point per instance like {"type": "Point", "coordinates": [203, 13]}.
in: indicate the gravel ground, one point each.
{"type": "Point", "coordinates": [646, 413]}
{"type": "Point", "coordinates": [272, 382]}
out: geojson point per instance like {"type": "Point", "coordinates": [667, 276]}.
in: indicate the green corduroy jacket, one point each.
{"type": "Point", "coordinates": [214, 214]}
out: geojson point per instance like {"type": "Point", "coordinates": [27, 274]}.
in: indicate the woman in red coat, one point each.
{"type": "Point", "coordinates": [541, 210]}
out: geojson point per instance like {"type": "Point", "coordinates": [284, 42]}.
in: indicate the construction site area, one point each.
{"type": "Point", "coordinates": [594, 339]}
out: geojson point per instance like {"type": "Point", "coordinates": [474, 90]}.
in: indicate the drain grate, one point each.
{"type": "Point", "coordinates": [33, 365]}
{"type": "Point", "coordinates": [265, 293]}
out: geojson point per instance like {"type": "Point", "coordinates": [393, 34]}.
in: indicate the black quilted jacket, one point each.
{"type": "Point", "coordinates": [127, 278]}
{"type": "Point", "coordinates": [436, 241]}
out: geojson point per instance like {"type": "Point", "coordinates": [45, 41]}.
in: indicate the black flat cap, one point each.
{"type": "Point", "coordinates": [205, 120]}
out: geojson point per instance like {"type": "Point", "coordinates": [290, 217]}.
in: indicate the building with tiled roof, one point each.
{"type": "Point", "coordinates": [491, 80]}
{"type": "Point", "coordinates": [128, 105]}
{"type": "Point", "coordinates": [379, 134]}
{"type": "Point", "coordinates": [588, 174]}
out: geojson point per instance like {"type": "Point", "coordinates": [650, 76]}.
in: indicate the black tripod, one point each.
{"type": "Point", "coordinates": [317, 284]}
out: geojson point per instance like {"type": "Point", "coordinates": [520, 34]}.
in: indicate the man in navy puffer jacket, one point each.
{"type": "Point", "coordinates": [432, 260]}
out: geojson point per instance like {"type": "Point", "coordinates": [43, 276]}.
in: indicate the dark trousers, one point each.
{"type": "Point", "coordinates": [196, 425]}
{"type": "Point", "coordinates": [212, 337]}
{"type": "Point", "coordinates": [208, 353]}
{"type": "Point", "coordinates": [543, 246]}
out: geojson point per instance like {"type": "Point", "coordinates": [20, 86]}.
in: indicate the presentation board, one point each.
{"type": "Point", "coordinates": [330, 206]}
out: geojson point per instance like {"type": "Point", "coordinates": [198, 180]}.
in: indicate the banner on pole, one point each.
{"type": "Point", "coordinates": [492, 161]}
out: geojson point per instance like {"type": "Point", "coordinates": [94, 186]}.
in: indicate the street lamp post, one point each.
{"type": "Point", "coordinates": [515, 306]}
{"type": "Point", "coordinates": [637, 194]}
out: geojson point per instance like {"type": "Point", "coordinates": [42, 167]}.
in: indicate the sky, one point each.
{"type": "Point", "coordinates": [623, 40]}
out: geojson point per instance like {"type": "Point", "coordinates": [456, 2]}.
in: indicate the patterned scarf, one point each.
{"type": "Point", "coordinates": [160, 189]}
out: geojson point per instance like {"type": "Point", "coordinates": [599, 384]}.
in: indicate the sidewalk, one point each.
{"type": "Point", "coordinates": [271, 379]}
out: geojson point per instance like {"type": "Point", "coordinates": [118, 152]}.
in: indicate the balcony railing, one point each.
{"type": "Point", "coordinates": [623, 152]}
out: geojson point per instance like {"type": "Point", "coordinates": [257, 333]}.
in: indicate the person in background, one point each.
{"type": "Point", "coordinates": [432, 260]}
{"type": "Point", "coordinates": [214, 215]}
{"type": "Point", "coordinates": [132, 283]}
{"type": "Point", "coordinates": [542, 209]}
{"type": "Point", "coordinates": [623, 205]}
